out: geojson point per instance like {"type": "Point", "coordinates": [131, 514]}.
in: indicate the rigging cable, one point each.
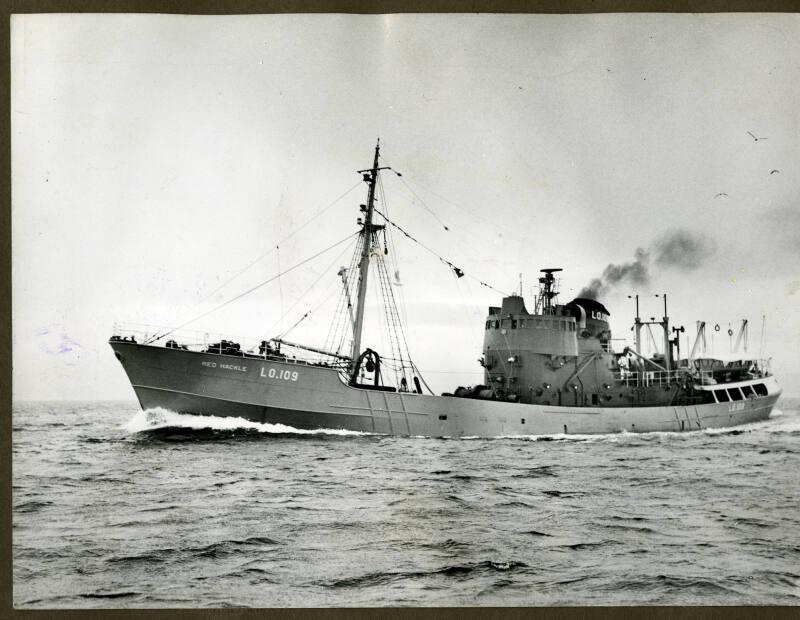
{"type": "Point", "coordinates": [324, 272]}
{"type": "Point", "coordinates": [395, 261]}
{"type": "Point", "coordinates": [421, 201]}
{"type": "Point", "coordinates": [394, 324]}
{"type": "Point", "coordinates": [280, 286]}
{"type": "Point", "coordinates": [465, 303]}
{"type": "Point", "coordinates": [395, 321]}
{"type": "Point", "coordinates": [459, 272]}
{"type": "Point", "coordinates": [421, 378]}
{"type": "Point", "coordinates": [491, 223]}
{"type": "Point", "coordinates": [268, 252]}
{"type": "Point", "coordinates": [248, 291]}
{"type": "Point", "coordinates": [397, 302]}
{"type": "Point", "coordinates": [340, 325]}
{"type": "Point", "coordinates": [312, 310]}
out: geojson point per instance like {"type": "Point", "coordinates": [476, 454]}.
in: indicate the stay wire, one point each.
{"type": "Point", "coordinates": [424, 204]}
{"type": "Point", "coordinates": [312, 310]}
{"type": "Point", "coordinates": [395, 255]}
{"type": "Point", "coordinates": [447, 228]}
{"type": "Point", "coordinates": [393, 323]}
{"type": "Point", "coordinates": [272, 249]}
{"type": "Point", "coordinates": [456, 270]}
{"type": "Point", "coordinates": [341, 318]}
{"type": "Point", "coordinates": [399, 301]}
{"type": "Point", "coordinates": [248, 291]}
{"type": "Point", "coordinates": [299, 299]}
{"type": "Point", "coordinates": [338, 328]}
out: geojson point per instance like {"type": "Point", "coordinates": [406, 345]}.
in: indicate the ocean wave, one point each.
{"type": "Point", "coordinates": [32, 506]}
{"type": "Point", "coordinates": [109, 594]}
{"type": "Point", "coordinates": [581, 546]}
{"type": "Point", "coordinates": [159, 418]}
{"type": "Point", "coordinates": [455, 570]}
{"type": "Point", "coordinates": [228, 547]}
{"type": "Point", "coordinates": [629, 528]}
{"type": "Point", "coordinates": [448, 544]}
{"type": "Point", "coordinates": [673, 584]}
{"type": "Point", "coordinates": [155, 557]}
{"type": "Point", "coordinates": [567, 494]}
{"type": "Point", "coordinates": [536, 472]}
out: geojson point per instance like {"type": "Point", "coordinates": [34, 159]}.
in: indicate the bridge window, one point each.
{"type": "Point", "coordinates": [513, 323]}
{"type": "Point", "coordinates": [595, 399]}
{"type": "Point", "coordinates": [748, 391]}
{"type": "Point", "coordinates": [735, 394]}
{"type": "Point", "coordinates": [442, 417]}
{"type": "Point", "coordinates": [761, 389]}
{"type": "Point", "coordinates": [722, 396]}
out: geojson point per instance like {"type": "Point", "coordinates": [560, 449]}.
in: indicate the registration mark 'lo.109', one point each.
{"type": "Point", "coordinates": [274, 373]}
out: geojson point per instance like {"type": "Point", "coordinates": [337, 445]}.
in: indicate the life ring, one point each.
{"type": "Point", "coordinates": [716, 327]}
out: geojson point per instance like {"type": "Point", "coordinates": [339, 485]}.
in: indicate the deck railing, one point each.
{"type": "Point", "coordinates": [194, 340]}
{"type": "Point", "coordinates": [633, 378]}
{"type": "Point", "coordinates": [753, 368]}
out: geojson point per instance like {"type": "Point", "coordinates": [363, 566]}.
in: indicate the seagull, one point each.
{"type": "Point", "coordinates": [721, 194]}
{"type": "Point", "coordinates": [774, 171]}
{"type": "Point", "coordinates": [756, 139]}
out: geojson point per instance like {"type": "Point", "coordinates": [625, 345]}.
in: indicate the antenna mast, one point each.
{"type": "Point", "coordinates": [547, 290]}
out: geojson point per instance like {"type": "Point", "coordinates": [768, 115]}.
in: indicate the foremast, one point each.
{"type": "Point", "coordinates": [368, 230]}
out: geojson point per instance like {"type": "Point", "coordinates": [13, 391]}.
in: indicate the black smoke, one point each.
{"type": "Point", "coordinates": [676, 249]}
{"type": "Point", "coordinates": [683, 250]}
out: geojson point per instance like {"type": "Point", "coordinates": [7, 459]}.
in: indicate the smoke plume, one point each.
{"type": "Point", "coordinates": [677, 249]}
{"type": "Point", "coordinates": [683, 250]}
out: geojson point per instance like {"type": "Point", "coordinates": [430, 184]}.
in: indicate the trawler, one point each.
{"type": "Point", "coordinates": [548, 371]}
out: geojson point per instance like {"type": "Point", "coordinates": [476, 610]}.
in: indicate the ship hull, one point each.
{"type": "Point", "coordinates": [314, 397]}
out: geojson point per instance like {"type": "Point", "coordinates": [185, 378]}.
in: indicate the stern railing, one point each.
{"type": "Point", "coordinates": [744, 369]}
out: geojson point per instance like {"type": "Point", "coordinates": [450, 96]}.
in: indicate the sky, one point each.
{"type": "Point", "coordinates": [155, 157]}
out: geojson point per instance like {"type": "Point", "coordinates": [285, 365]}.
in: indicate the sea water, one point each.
{"type": "Point", "coordinates": [115, 507]}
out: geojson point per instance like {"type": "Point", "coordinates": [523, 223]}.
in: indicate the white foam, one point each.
{"type": "Point", "coordinates": [153, 419]}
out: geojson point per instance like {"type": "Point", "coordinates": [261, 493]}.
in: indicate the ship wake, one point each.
{"type": "Point", "coordinates": [164, 422]}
